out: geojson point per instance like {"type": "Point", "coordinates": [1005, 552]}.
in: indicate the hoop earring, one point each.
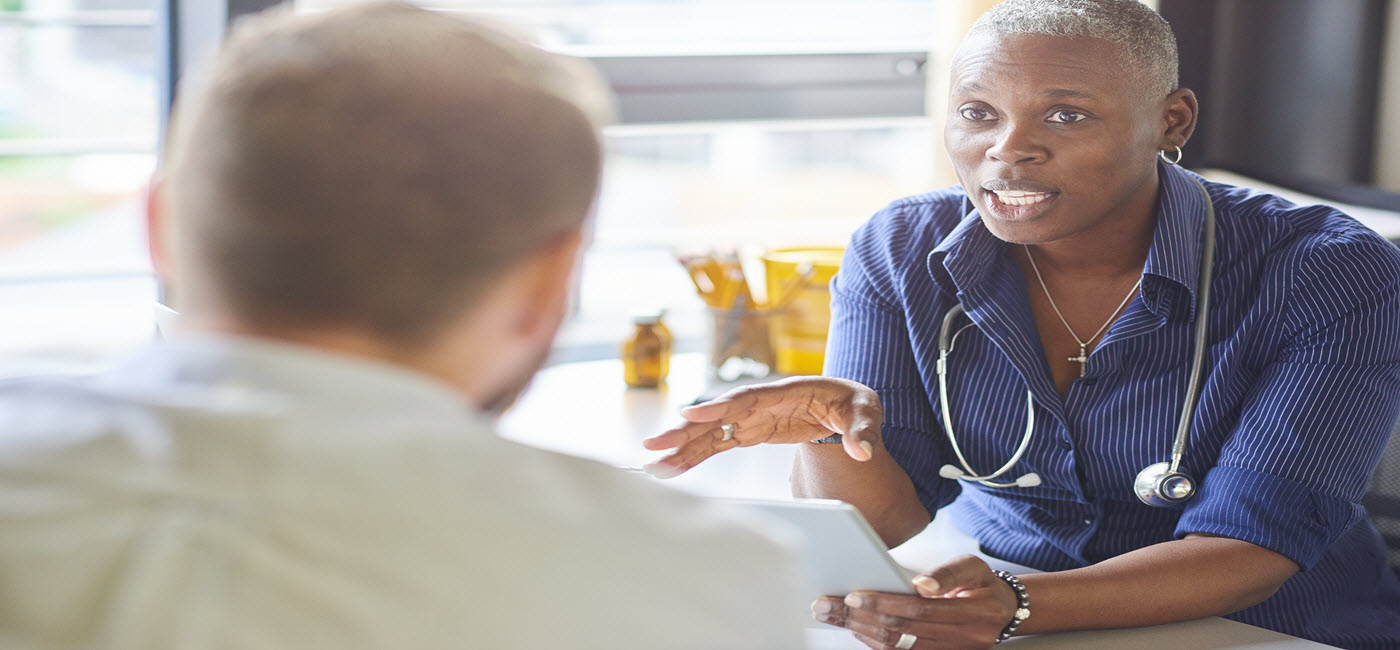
{"type": "Point", "coordinates": [1163, 155]}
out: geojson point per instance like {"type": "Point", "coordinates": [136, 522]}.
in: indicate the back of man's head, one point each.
{"type": "Point", "coordinates": [371, 169]}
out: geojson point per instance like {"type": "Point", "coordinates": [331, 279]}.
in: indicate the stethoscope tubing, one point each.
{"type": "Point", "coordinates": [1198, 355]}
{"type": "Point", "coordinates": [1193, 385]}
{"type": "Point", "coordinates": [945, 347]}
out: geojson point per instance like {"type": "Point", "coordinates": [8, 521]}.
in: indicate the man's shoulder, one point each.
{"type": "Point", "coordinates": [623, 502]}
{"type": "Point", "coordinates": [451, 512]}
{"type": "Point", "coordinates": [39, 414]}
{"type": "Point", "coordinates": [521, 521]}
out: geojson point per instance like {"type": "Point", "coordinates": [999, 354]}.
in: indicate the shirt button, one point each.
{"type": "Point", "coordinates": [1066, 445]}
{"type": "Point", "coordinates": [1089, 381]}
{"type": "Point", "coordinates": [1089, 520]}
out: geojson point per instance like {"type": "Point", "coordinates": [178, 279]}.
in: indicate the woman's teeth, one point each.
{"type": "Point", "coordinates": [1017, 197]}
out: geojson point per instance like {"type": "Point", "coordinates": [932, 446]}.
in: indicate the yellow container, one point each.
{"type": "Point", "coordinates": [799, 297]}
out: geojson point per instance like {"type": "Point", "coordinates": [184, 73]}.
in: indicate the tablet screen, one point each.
{"type": "Point", "coordinates": [840, 552]}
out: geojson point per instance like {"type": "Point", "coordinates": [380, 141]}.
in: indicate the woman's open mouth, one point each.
{"type": "Point", "coordinates": [1019, 205]}
{"type": "Point", "coordinates": [1018, 198]}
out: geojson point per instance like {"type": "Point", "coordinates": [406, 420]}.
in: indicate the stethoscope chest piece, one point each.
{"type": "Point", "coordinates": [1158, 485]}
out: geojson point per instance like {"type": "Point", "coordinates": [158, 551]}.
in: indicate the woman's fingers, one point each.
{"type": "Point", "coordinates": [830, 610]}
{"type": "Point", "coordinates": [925, 637]}
{"type": "Point", "coordinates": [694, 451]}
{"type": "Point", "coordinates": [972, 620]}
{"type": "Point", "coordinates": [962, 572]}
{"type": "Point", "coordinates": [690, 444]}
{"type": "Point", "coordinates": [710, 411]}
{"type": "Point", "coordinates": [677, 436]}
{"type": "Point", "coordinates": [794, 410]}
{"type": "Point", "coordinates": [852, 410]}
{"type": "Point", "coordinates": [740, 402]}
{"type": "Point", "coordinates": [871, 643]}
{"type": "Point", "coordinates": [858, 448]}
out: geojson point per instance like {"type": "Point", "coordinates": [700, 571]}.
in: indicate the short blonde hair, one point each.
{"type": "Point", "coordinates": [374, 167]}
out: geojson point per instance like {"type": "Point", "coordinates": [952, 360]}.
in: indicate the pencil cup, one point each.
{"type": "Point", "coordinates": [800, 303]}
{"type": "Point", "coordinates": [739, 344]}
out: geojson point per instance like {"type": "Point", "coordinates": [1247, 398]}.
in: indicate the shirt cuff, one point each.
{"type": "Point", "coordinates": [1278, 514]}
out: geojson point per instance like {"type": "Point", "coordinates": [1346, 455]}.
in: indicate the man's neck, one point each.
{"type": "Point", "coordinates": [345, 341]}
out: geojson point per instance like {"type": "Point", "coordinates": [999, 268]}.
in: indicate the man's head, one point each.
{"type": "Point", "coordinates": [1060, 108]}
{"type": "Point", "coordinates": [378, 173]}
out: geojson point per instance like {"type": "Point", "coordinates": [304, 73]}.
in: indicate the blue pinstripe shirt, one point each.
{"type": "Point", "coordinates": [1302, 385]}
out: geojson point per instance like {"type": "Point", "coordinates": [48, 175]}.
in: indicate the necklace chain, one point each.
{"type": "Point", "coordinates": [1083, 358]}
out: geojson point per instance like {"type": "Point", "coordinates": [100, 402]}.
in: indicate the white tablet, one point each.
{"type": "Point", "coordinates": [840, 552]}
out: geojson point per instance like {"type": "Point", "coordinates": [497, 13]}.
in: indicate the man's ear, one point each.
{"type": "Point", "coordinates": [1179, 112]}
{"type": "Point", "coordinates": [548, 284]}
{"type": "Point", "coordinates": [156, 223]}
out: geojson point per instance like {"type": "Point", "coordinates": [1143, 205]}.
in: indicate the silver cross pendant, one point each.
{"type": "Point", "coordinates": [1082, 360]}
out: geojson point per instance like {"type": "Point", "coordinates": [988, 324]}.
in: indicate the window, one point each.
{"type": "Point", "coordinates": [78, 123]}
{"type": "Point", "coordinates": [745, 125]}
{"type": "Point", "coordinates": [796, 119]}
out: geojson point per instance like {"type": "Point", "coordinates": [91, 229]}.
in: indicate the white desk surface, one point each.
{"type": "Point", "coordinates": [585, 409]}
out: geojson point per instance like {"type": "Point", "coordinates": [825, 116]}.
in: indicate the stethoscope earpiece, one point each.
{"type": "Point", "coordinates": [1030, 479]}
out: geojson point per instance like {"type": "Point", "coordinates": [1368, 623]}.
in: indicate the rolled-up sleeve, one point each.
{"type": "Point", "coordinates": [1291, 476]}
{"type": "Point", "coordinates": [869, 342]}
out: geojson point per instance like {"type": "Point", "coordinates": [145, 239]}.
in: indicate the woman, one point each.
{"type": "Point", "coordinates": [1073, 252]}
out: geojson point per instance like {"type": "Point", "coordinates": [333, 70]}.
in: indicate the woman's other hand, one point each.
{"type": "Point", "coordinates": [961, 604]}
{"type": "Point", "coordinates": [788, 411]}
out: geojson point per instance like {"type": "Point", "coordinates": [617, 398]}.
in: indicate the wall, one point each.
{"type": "Point", "coordinates": [1388, 118]}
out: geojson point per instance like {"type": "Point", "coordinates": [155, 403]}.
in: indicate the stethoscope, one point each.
{"type": "Point", "coordinates": [1160, 484]}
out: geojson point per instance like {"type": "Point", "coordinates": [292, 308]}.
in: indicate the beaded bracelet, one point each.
{"type": "Point", "coordinates": [1023, 605]}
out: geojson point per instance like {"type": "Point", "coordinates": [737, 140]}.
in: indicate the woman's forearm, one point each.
{"type": "Point", "coordinates": [879, 488]}
{"type": "Point", "coordinates": [1173, 581]}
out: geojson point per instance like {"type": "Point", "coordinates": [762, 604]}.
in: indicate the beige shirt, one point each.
{"type": "Point", "coordinates": [219, 493]}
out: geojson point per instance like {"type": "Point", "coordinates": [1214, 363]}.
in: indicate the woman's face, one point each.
{"type": "Point", "coordinates": [1050, 136]}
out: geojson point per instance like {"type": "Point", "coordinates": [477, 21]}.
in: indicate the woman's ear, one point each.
{"type": "Point", "coordinates": [1179, 112]}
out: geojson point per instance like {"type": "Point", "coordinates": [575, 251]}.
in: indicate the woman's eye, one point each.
{"type": "Point", "coordinates": [1067, 117]}
{"type": "Point", "coordinates": [975, 114]}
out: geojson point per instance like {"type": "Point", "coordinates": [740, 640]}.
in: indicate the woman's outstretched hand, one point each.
{"type": "Point", "coordinates": [788, 411]}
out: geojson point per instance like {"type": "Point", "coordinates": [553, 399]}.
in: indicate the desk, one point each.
{"type": "Point", "coordinates": [584, 409]}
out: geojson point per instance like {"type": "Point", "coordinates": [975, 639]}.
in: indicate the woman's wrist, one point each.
{"type": "Point", "coordinates": [1023, 605]}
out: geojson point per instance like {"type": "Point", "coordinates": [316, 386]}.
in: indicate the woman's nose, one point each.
{"type": "Point", "coordinates": [1016, 145]}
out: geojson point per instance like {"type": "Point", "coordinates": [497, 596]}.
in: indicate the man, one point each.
{"type": "Point", "coordinates": [369, 218]}
{"type": "Point", "coordinates": [1070, 273]}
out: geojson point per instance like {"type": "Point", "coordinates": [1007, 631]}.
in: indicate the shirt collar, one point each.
{"type": "Point", "coordinates": [964, 257]}
{"type": "Point", "coordinates": [1174, 259]}
{"type": "Point", "coordinates": [232, 370]}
